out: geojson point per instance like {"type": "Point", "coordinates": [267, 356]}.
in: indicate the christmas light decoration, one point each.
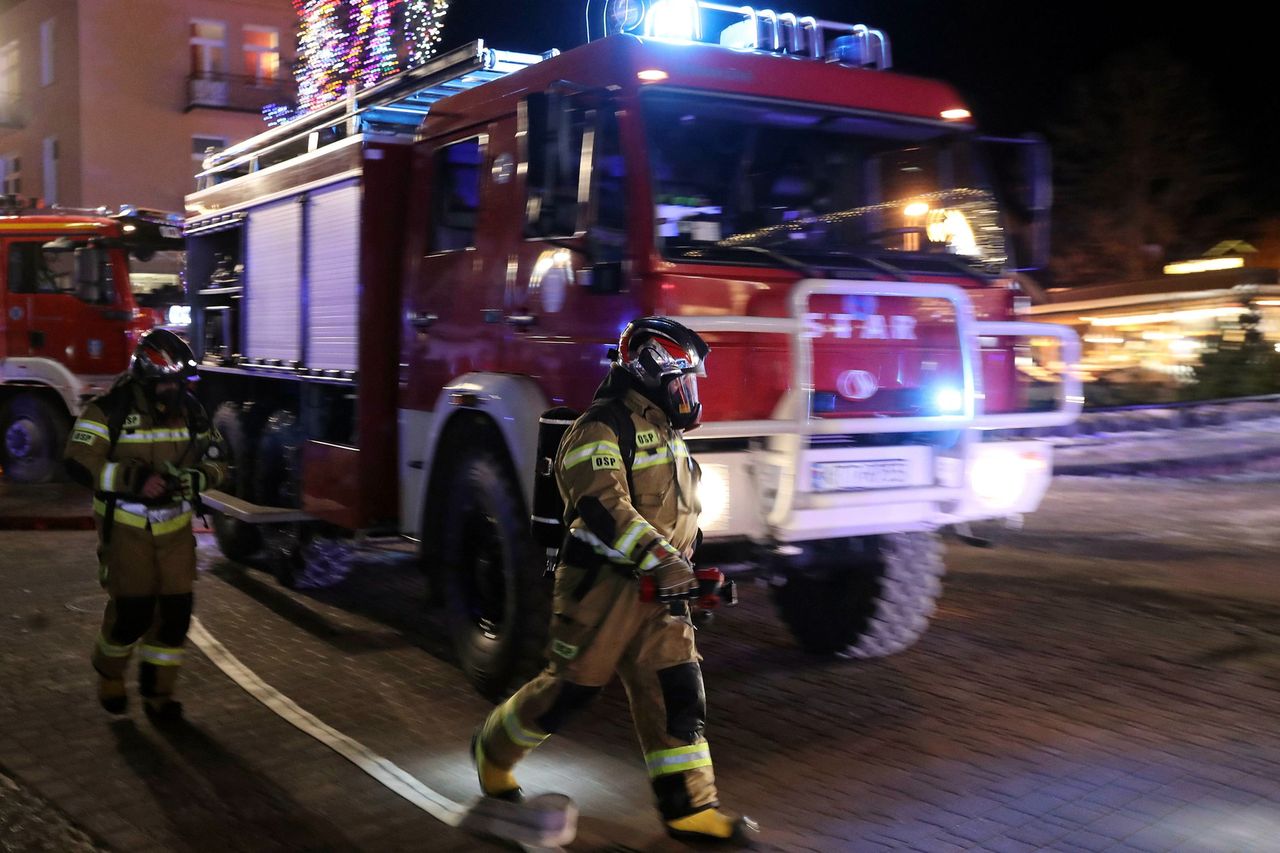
{"type": "Point", "coordinates": [345, 44]}
{"type": "Point", "coordinates": [424, 23]}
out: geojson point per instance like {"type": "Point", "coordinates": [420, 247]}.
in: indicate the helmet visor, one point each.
{"type": "Point", "coordinates": [683, 393]}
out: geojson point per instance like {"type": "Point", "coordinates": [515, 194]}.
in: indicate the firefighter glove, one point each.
{"type": "Point", "coordinates": [189, 482]}
{"type": "Point", "coordinates": [673, 578]}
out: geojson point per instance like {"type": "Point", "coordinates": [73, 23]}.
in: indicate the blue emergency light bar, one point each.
{"type": "Point", "coordinates": [747, 28]}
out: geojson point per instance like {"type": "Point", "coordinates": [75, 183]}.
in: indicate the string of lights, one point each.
{"type": "Point", "coordinates": [353, 43]}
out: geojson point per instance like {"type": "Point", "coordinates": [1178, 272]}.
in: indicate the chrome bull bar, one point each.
{"type": "Point", "coordinates": [799, 401]}
{"type": "Point", "coordinates": [794, 421]}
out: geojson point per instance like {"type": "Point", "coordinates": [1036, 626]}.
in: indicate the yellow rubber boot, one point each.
{"type": "Point", "coordinates": [713, 824]}
{"type": "Point", "coordinates": [494, 781]}
{"type": "Point", "coordinates": [112, 696]}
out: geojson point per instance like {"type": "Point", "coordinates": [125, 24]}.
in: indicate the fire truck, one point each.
{"type": "Point", "coordinates": [390, 291]}
{"type": "Point", "coordinates": [68, 318]}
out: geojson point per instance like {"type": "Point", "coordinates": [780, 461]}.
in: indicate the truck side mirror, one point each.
{"type": "Point", "coordinates": [88, 266]}
{"type": "Point", "coordinates": [1028, 188]}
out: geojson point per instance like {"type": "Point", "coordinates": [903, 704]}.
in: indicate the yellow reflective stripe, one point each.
{"type": "Point", "coordinates": [649, 563]}
{"type": "Point", "coordinates": [94, 427]}
{"type": "Point", "coordinates": [682, 758]}
{"type": "Point", "coordinates": [162, 655]}
{"type": "Point", "coordinates": [599, 547]}
{"type": "Point", "coordinates": [518, 734]}
{"type": "Point", "coordinates": [627, 541]}
{"type": "Point", "coordinates": [584, 452]}
{"type": "Point", "coordinates": [111, 650]}
{"type": "Point", "coordinates": [152, 436]}
{"type": "Point", "coordinates": [159, 528]}
{"type": "Point", "coordinates": [107, 478]}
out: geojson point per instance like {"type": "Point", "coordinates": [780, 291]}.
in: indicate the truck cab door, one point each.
{"type": "Point", "coordinates": [453, 299]}
{"type": "Point", "coordinates": [567, 293]}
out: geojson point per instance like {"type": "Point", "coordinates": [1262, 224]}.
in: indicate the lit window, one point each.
{"type": "Point", "coordinates": [10, 175]}
{"type": "Point", "coordinates": [261, 53]}
{"type": "Point", "coordinates": [208, 46]}
{"type": "Point", "coordinates": [9, 87]}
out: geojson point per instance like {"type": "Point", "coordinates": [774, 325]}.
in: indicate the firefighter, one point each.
{"type": "Point", "coordinates": [147, 449]}
{"type": "Point", "coordinates": [628, 521]}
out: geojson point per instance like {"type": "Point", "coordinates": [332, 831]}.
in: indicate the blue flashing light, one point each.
{"type": "Point", "coordinates": [948, 401]}
{"type": "Point", "coordinates": [677, 20]}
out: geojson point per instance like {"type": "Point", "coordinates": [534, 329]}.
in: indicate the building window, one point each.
{"type": "Point", "coordinates": [261, 53]}
{"type": "Point", "coordinates": [208, 47]}
{"type": "Point", "coordinates": [10, 175]}
{"type": "Point", "coordinates": [200, 145]}
{"type": "Point", "coordinates": [46, 53]}
{"type": "Point", "coordinates": [50, 170]}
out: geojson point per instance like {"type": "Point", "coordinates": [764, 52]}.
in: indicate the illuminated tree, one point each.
{"type": "Point", "coordinates": [424, 25]}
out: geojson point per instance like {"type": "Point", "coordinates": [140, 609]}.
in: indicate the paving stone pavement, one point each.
{"type": "Point", "coordinates": [1104, 680]}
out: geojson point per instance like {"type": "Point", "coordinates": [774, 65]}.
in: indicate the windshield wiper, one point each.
{"type": "Point", "coordinates": [777, 257]}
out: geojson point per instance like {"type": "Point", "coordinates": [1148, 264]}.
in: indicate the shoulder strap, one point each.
{"type": "Point", "coordinates": [615, 414]}
{"type": "Point", "coordinates": [116, 404]}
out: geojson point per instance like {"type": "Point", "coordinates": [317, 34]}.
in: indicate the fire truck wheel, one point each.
{"type": "Point", "coordinates": [877, 607]}
{"type": "Point", "coordinates": [237, 540]}
{"type": "Point", "coordinates": [275, 483]}
{"type": "Point", "coordinates": [497, 601]}
{"type": "Point", "coordinates": [33, 432]}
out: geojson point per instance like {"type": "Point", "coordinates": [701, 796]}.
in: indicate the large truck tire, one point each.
{"type": "Point", "coordinates": [277, 481]}
{"type": "Point", "coordinates": [497, 600]}
{"type": "Point", "coordinates": [33, 434]}
{"type": "Point", "coordinates": [236, 539]}
{"type": "Point", "coordinates": [876, 607]}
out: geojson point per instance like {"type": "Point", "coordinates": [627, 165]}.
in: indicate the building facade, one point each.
{"type": "Point", "coordinates": [110, 102]}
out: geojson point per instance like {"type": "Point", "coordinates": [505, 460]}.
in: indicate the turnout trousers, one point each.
{"type": "Point", "coordinates": [599, 627]}
{"type": "Point", "coordinates": [148, 572]}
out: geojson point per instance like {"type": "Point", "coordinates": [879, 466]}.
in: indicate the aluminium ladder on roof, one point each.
{"type": "Point", "coordinates": [395, 107]}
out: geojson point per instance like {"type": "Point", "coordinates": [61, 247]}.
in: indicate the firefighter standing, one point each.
{"type": "Point", "coordinates": [627, 523]}
{"type": "Point", "coordinates": [147, 450]}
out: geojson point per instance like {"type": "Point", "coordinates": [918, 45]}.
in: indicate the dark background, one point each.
{"type": "Point", "coordinates": [1015, 63]}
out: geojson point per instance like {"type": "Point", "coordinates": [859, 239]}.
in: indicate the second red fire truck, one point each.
{"type": "Point", "coordinates": [388, 293]}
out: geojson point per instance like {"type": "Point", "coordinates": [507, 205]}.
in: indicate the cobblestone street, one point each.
{"type": "Point", "coordinates": [1105, 679]}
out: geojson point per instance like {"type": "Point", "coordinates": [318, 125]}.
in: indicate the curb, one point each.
{"type": "Point", "coordinates": [1222, 463]}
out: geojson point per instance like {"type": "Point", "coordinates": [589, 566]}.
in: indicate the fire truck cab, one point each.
{"type": "Point", "coordinates": [413, 296]}
{"type": "Point", "coordinates": [68, 319]}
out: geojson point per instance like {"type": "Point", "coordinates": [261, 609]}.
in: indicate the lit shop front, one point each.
{"type": "Point", "coordinates": [1155, 330]}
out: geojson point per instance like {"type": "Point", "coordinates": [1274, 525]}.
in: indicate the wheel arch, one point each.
{"type": "Point", "coordinates": [499, 410]}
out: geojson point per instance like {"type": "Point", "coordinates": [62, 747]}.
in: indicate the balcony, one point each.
{"type": "Point", "coordinates": [234, 92]}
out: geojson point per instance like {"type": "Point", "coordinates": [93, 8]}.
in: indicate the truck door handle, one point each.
{"type": "Point", "coordinates": [422, 320]}
{"type": "Point", "coordinates": [521, 321]}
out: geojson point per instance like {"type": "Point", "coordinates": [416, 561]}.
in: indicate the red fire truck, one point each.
{"type": "Point", "coordinates": [391, 291]}
{"type": "Point", "coordinates": [68, 318]}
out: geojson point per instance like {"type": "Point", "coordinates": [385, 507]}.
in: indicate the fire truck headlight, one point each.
{"type": "Point", "coordinates": [713, 493]}
{"type": "Point", "coordinates": [1002, 476]}
{"type": "Point", "coordinates": [179, 315]}
{"type": "Point", "coordinates": [948, 401]}
{"type": "Point", "coordinates": [674, 19]}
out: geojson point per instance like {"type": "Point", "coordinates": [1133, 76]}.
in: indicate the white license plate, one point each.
{"type": "Point", "coordinates": [867, 474]}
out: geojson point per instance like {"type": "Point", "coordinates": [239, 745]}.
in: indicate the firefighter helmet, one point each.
{"type": "Point", "coordinates": [161, 355]}
{"type": "Point", "coordinates": [665, 359]}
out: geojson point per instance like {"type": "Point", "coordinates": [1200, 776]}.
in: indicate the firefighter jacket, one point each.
{"type": "Point", "coordinates": [631, 526]}
{"type": "Point", "coordinates": [148, 443]}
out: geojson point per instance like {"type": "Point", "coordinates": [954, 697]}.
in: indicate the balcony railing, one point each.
{"type": "Point", "coordinates": [235, 92]}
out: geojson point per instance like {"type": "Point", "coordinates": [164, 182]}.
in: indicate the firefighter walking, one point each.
{"type": "Point", "coordinates": [632, 497]}
{"type": "Point", "coordinates": [147, 450]}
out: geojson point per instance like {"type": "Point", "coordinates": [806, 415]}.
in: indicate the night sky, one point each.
{"type": "Point", "coordinates": [1014, 62]}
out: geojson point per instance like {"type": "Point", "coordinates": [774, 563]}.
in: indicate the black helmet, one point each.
{"type": "Point", "coordinates": [665, 358]}
{"type": "Point", "coordinates": [162, 355]}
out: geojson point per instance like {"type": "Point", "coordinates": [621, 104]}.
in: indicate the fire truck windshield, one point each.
{"type": "Point", "coordinates": [815, 187]}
